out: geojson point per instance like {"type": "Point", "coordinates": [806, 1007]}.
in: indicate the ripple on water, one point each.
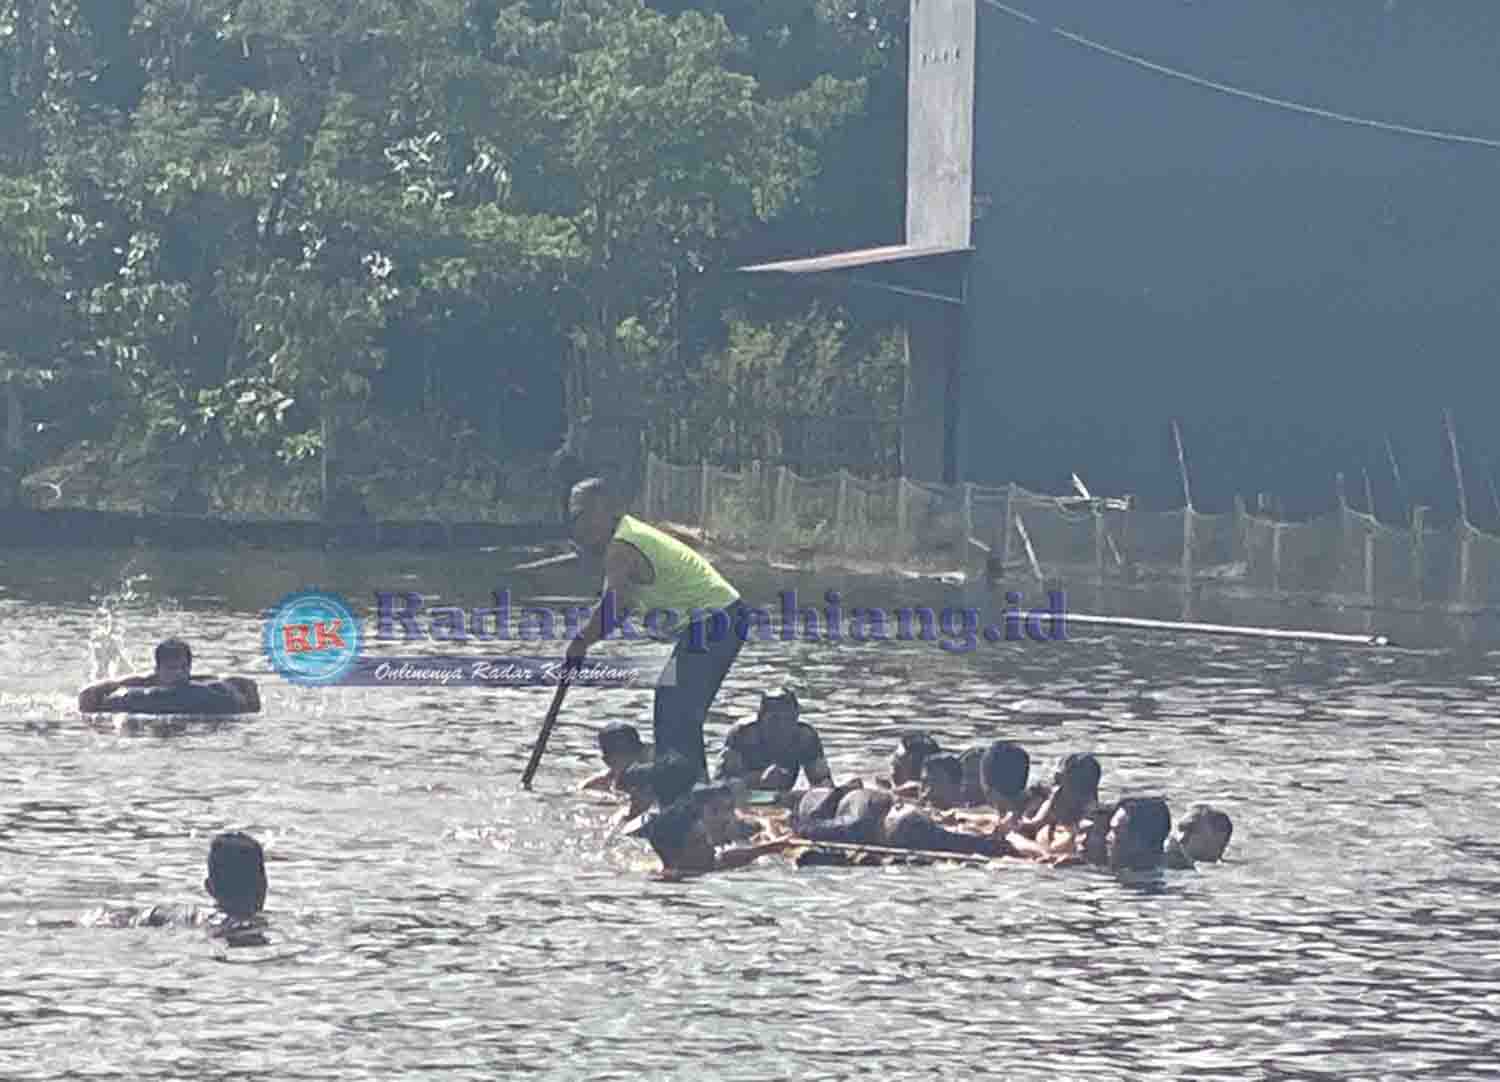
{"type": "Point", "coordinates": [428, 918]}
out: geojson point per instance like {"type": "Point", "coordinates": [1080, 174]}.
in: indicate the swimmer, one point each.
{"type": "Point", "coordinates": [662, 781]}
{"type": "Point", "coordinates": [853, 815]}
{"type": "Point", "coordinates": [972, 794]}
{"type": "Point", "coordinates": [942, 781]}
{"type": "Point", "coordinates": [1075, 789]}
{"type": "Point", "coordinates": [1201, 836]}
{"type": "Point", "coordinates": [1138, 830]}
{"type": "Point", "coordinates": [174, 668]}
{"type": "Point", "coordinates": [236, 882]}
{"type": "Point", "coordinates": [621, 747]}
{"type": "Point", "coordinates": [689, 834]}
{"type": "Point", "coordinates": [769, 751]}
{"type": "Point", "coordinates": [906, 761]}
{"type": "Point", "coordinates": [1003, 771]}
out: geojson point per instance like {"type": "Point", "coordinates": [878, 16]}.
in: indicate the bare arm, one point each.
{"type": "Point", "coordinates": [739, 857]}
{"type": "Point", "coordinates": [602, 780]}
{"type": "Point", "coordinates": [93, 696]}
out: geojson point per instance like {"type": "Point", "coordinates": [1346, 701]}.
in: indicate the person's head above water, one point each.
{"type": "Point", "coordinates": [593, 513]}
{"type": "Point", "coordinates": [778, 715]}
{"type": "Point", "coordinates": [174, 662]}
{"type": "Point", "coordinates": [619, 744]}
{"type": "Point", "coordinates": [1204, 833]}
{"type": "Point", "coordinates": [716, 809]}
{"type": "Point", "coordinates": [1003, 772]}
{"type": "Point", "coordinates": [912, 751]}
{"type": "Point", "coordinates": [942, 780]}
{"type": "Point", "coordinates": [668, 779]}
{"type": "Point", "coordinates": [237, 874]}
{"type": "Point", "coordinates": [1077, 786]}
{"type": "Point", "coordinates": [1138, 832]}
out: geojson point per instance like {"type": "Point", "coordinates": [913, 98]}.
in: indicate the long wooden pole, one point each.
{"type": "Point", "coordinates": [1458, 470]}
{"type": "Point", "coordinates": [541, 739]}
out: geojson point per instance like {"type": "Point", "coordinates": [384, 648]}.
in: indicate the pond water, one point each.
{"type": "Point", "coordinates": [430, 919]}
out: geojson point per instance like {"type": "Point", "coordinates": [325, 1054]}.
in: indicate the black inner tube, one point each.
{"type": "Point", "coordinates": [210, 697]}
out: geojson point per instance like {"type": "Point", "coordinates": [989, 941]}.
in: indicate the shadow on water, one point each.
{"type": "Point", "coordinates": [428, 917]}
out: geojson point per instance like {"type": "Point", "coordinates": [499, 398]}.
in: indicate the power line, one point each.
{"type": "Point", "coordinates": [1249, 95]}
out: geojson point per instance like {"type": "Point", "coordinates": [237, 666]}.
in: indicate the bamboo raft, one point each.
{"type": "Point", "coordinates": [810, 854]}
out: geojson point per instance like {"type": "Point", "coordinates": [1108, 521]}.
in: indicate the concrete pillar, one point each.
{"type": "Point", "coordinates": [929, 434]}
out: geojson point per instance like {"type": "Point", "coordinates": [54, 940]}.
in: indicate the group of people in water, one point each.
{"type": "Point", "coordinates": [978, 804]}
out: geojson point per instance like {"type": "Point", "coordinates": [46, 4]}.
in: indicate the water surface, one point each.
{"type": "Point", "coordinates": [429, 919]}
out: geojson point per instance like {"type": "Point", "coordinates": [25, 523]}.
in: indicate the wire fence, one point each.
{"type": "Point", "coordinates": [1345, 555]}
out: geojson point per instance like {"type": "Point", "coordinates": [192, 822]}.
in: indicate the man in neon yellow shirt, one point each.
{"type": "Point", "coordinates": [649, 573]}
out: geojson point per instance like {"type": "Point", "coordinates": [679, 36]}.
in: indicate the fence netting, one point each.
{"type": "Point", "coordinates": [1345, 554]}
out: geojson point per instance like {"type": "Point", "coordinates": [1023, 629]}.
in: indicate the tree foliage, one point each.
{"type": "Point", "coordinates": [219, 217]}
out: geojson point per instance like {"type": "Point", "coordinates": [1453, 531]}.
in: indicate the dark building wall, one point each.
{"type": "Point", "coordinates": [1292, 289]}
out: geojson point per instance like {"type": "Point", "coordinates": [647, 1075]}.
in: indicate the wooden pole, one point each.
{"type": "Point", "coordinates": [1418, 563]}
{"type": "Point", "coordinates": [1187, 511]}
{"type": "Point", "coordinates": [1458, 472]}
{"type": "Point", "coordinates": [841, 507]}
{"type": "Point", "coordinates": [1464, 529]}
{"type": "Point", "coordinates": [1099, 542]}
{"type": "Point", "coordinates": [541, 739]}
{"type": "Point", "coordinates": [1275, 556]}
{"type": "Point", "coordinates": [966, 526]}
{"type": "Point", "coordinates": [1036, 566]}
{"type": "Point", "coordinates": [1369, 493]}
{"type": "Point", "coordinates": [648, 494]}
{"type": "Point", "coordinates": [1390, 454]}
{"type": "Point", "coordinates": [703, 497]}
{"type": "Point", "coordinates": [1010, 510]}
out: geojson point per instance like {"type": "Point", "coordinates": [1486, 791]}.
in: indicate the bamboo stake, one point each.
{"type": "Point", "coordinates": [1187, 513]}
{"type": "Point", "coordinates": [801, 846]}
{"type": "Point", "coordinates": [1390, 454]}
{"type": "Point", "coordinates": [1369, 493]}
{"type": "Point", "coordinates": [1464, 528]}
{"type": "Point", "coordinates": [1036, 567]}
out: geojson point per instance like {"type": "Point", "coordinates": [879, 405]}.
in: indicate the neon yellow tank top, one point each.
{"type": "Point", "coordinates": [683, 580]}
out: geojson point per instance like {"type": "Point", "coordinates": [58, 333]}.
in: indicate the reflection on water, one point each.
{"type": "Point", "coordinates": [427, 917]}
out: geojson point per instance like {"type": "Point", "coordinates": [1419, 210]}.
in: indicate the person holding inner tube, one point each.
{"type": "Point", "coordinates": [172, 689]}
{"type": "Point", "coordinates": [646, 569]}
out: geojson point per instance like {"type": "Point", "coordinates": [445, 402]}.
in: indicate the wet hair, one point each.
{"type": "Point", "coordinates": [1004, 770]}
{"type": "Point", "coordinates": [1080, 773]}
{"type": "Point", "coordinates": [1206, 815]}
{"type": "Point", "coordinates": [171, 649]}
{"type": "Point", "coordinates": [1209, 816]}
{"type": "Point", "coordinates": [1149, 823]}
{"type": "Point", "coordinates": [237, 873]}
{"type": "Point", "coordinates": [782, 697]}
{"type": "Point", "coordinates": [945, 765]}
{"type": "Point", "coordinates": [670, 778]}
{"type": "Point", "coordinates": [618, 737]}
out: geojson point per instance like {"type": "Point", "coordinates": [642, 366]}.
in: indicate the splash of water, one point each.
{"type": "Point", "coordinates": [107, 646]}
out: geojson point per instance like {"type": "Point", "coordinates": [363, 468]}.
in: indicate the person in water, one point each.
{"type": "Point", "coordinates": [906, 761]}
{"type": "Point", "coordinates": [1004, 769]}
{"type": "Point", "coordinates": [697, 830]}
{"type": "Point", "coordinates": [647, 570]}
{"type": "Point", "coordinates": [769, 751]}
{"type": "Point", "coordinates": [174, 669]}
{"type": "Point", "coordinates": [1203, 834]}
{"type": "Point", "coordinates": [236, 882]}
{"type": "Point", "coordinates": [942, 781]}
{"type": "Point", "coordinates": [853, 815]}
{"type": "Point", "coordinates": [1075, 790]}
{"type": "Point", "coordinates": [621, 747]}
{"type": "Point", "coordinates": [1137, 834]}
